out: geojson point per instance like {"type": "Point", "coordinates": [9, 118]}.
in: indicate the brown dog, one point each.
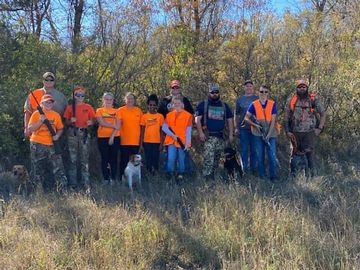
{"type": "Point", "coordinates": [17, 178]}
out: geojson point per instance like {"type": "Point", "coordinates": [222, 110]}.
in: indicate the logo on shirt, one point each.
{"type": "Point", "coordinates": [151, 121]}
{"type": "Point", "coordinates": [215, 113]}
{"type": "Point", "coordinates": [108, 115]}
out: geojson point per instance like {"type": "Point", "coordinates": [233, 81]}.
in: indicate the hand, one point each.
{"type": "Point", "coordinates": [317, 131]}
{"type": "Point", "coordinates": [174, 137]}
{"type": "Point", "coordinates": [89, 122]}
{"type": "Point", "coordinates": [289, 134]}
{"type": "Point", "coordinates": [187, 148]}
{"type": "Point", "coordinates": [268, 137]}
{"type": "Point", "coordinates": [111, 140]}
{"type": "Point", "coordinates": [161, 147]}
{"type": "Point", "coordinates": [42, 118]}
{"type": "Point", "coordinates": [56, 137]}
{"type": "Point", "coordinates": [202, 137]}
{"type": "Point", "coordinates": [73, 119]}
{"type": "Point", "coordinates": [236, 131]}
{"type": "Point", "coordinates": [258, 127]}
{"type": "Point", "coordinates": [231, 138]}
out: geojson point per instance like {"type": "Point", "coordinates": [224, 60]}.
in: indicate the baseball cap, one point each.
{"type": "Point", "coordinates": [175, 83]}
{"type": "Point", "coordinates": [213, 88]}
{"type": "Point", "coordinates": [46, 97]}
{"type": "Point", "coordinates": [79, 90]}
{"type": "Point", "coordinates": [48, 74]}
{"type": "Point", "coordinates": [301, 82]}
{"type": "Point", "coordinates": [248, 81]}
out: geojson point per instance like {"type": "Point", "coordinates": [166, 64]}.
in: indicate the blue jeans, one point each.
{"type": "Point", "coordinates": [246, 142]}
{"type": "Point", "coordinates": [260, 146]}
{"type": "Point", "coordinates": [172, 153]}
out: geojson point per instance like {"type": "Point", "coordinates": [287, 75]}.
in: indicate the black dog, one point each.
{"type": "Point", "coordinates": [300, 162]}
{"type": "Point", "coordinates": [231, 164]}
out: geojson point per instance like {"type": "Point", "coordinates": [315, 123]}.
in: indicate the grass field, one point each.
{"type": "Point", "coordinates": [254, 224]}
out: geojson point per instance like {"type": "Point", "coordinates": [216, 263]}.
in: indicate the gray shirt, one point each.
{"type": "Point", "coordinates": [60, 102]}
{"type": "Point", "coordinates": [242, 105]}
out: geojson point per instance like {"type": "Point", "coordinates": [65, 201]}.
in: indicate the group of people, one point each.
{"type": "Point", "coordinates": [167, 126]}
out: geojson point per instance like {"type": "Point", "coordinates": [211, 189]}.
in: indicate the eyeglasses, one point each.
{"type": "Point", "coordinates": [263, 92]}
{"type": "Point", "coordinates": [80, 95]}
{"type": "Point", "coordinates": [175, 87]}
{"type": "Point", "coordinates": [49, 102]}
{"type": "Point", "coordinates": [301, 87]}
{"type": "Point", "coordinates": [49, 80]}
{"type": "Point", "coordinates": [214, 93]}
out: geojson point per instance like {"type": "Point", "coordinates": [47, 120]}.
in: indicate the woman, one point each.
{"type": "Point", "coordinates": [79, 137]}
{"type": "Point", "coordinates": [42, 143]}
{"type": "Point", "coordinates": [130, 117]}
{"type": "Point", "coordinates": [151, 135]}
{"type": "Point", "coordinates": [108, 137]}
{"type": "Point", "coordinates": [177, 126]}
{"type": "Point", "coordinates": [264, 110]}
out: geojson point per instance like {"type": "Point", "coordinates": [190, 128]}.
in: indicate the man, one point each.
{"type": "Point", "coordinates": [166, 105]}
{"type": "Point", "coordinates": [265, 111]}
{"type": "Point", "coordinates": [301, 122]}
{"type": "Point", "coordinates": [48, 88]}
{"type": "Point", "coordinates": [212, 117]}
{"type": "Point", "coordinates": [242, 129]}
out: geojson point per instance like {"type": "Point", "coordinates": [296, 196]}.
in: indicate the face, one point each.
{"type": "Point", "coordinates": [214, 95]}
{"type": "Point", "coordinates": [249, 88]}
{"type": "Point", "coordinates": [130, 100]}
{"type": "Point", "coordinates": [152, 106]}
{"type": "Point", "coordinates": [49, 82]}
{"type": "Point", "coordinates": [79, 96]}
{"type": "Point", "coordinates": [263, 93]}
{"type": "Point", "coordinates": [175, 90]}
{"type": "Point", "coordinates": [108, 101]}
{"type": "Point", "coordinates": [177, 105]}
{"type": "Point", "coordinates": [301, 89]}
{"type": "Point", "coordinates": [48, 104]}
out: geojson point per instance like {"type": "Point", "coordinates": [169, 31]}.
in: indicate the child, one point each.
{"type": "Point", "coordinates": [42, 145]}
{"type": "Point", "coordinates": [108, 137]}
{"type": "Point", "coordinates": [79, 137]}
{"type": "Point", "coordinates": [151, 138]}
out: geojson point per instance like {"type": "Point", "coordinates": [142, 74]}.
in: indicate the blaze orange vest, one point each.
{"type": "Point", "coordinates": [263, 116]}
{"type": "Point", "coordinates": [311, 103]}
{"type": "Point", "coordinates": [38, 94]}
{"type": "Point", "coordinates": [178, 125]}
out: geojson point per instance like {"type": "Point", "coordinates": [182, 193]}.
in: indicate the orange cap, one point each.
{"type": "Point", "coordinates": [46, 97]}
{"type": "Point", "coordinates": [175, 83]}
{"type": "Point", "coordinates": [301, 82]}
{"type": "Point", "coordinates": [79, 90]}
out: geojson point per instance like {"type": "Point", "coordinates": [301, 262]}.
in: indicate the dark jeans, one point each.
{"type": "Point", "coordinates": [260, 147]}
{"type": "Point", "coordinates": [108, 156]}
{"type": "Point", "coordinates": [246, 143]}
{"type": "Point", "coordinates": [151, 155]}
{"type": "Point", "coordinates": [125, 152]}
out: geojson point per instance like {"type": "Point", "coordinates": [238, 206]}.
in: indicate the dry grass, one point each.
{"type": "Point", "coordinates": [298, 224]}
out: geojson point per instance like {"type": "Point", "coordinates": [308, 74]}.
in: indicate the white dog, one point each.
{"type": "Point", "coordinates": [133, 170]}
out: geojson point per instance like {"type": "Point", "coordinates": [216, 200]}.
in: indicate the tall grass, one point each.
{"type": "Point", "coordinates": [297, 224]}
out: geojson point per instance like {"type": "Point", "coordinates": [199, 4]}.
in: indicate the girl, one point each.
{"type": "Point", "coordinates": [108, 137]}
{"type": "Point", "coordinates": [151, 138]}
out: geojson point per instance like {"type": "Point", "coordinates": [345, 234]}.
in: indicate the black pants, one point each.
{"type": "Point", "coordinates": [152, 155]}
{"type": "Point", "coordinates": [125, 152]}
{"type": "Point", "coordinates": [108, 156]}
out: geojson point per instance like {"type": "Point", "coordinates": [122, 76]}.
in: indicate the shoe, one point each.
{"type": "Point", "coordinates": [106, 182]}
{"type": "Point", "coordinates": [180, 177]}
{"type": "Point", "coordinates": [112, 182]}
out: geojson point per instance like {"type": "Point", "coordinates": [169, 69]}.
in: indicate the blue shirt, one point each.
{"type": "Point", "coordinates": [252, 108]}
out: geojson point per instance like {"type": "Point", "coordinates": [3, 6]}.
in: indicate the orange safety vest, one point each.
{"type": "Point", "coordinates": [311, 103]}
{"type": "Point", "coordinates": [38, 94]}
{"type": "Point", "coordinates": [178, 125]}
{"type": "Point", "coordinates": [263, 116]}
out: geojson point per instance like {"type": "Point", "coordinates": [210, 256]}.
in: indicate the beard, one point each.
{"type": "Point", "coordinates": [216, 98]}
{"type": "Point", "coordinates": [303, 95]}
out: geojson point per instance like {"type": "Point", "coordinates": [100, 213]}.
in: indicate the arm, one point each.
{"type": "Point", "coordinates": [286, 123]}
{"type": "Point", "coordinates": [33, 127]}
{"type": "Point", "coordinates": [59, 132]}
{"type": "Point", "coordinates": [104, 124]}
{"type": "Point", "coordinates": [236, 122]}
{"type": "Point", "coordinates": [321, 124]}
{"type": "Point", "coordinates": [230, 124]}
{"type": "Point", "coordinates": [142, 131]}
{"type": "Point", "coordinates": [201, 134]}
{"type": "Point", "coordinates": [272, 126]}
{"type": "Point", "coordinates": [251, 123]}
{"type": "Point", "coordinates": [187, 138]}
{"type": "Point", "coordinates": [27, 116]}
{"type": "Point", "coordinates": [167, 131]}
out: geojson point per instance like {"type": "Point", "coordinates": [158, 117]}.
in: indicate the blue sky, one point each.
{"type": "Point", "coordinates": [281, 5]}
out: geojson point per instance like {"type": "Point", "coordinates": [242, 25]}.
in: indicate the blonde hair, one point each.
{"type": "Point", "coordinates": [104, 95]}
{"type": "Point", "coordinates": [130, 94]}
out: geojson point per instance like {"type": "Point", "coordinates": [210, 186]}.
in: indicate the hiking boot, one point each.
{"type": "Point", "coordinates": [112, 182]}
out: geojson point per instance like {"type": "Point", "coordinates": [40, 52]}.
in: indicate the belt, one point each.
{"type": "Point", "coordinates": [80, 129]}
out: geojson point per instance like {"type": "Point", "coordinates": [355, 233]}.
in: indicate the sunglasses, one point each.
{"type": "Point", "coordinates": [48, 80]}
{"type": "Point", "coordinates": [79, 95]}
{"type": "Point", "coordinates": [175, 87]}
{"type": "Point", "coordinates": [301, 87]}
{"type": "Point", "coordinates": [263, 92]}
{"type": "Point", "coordinates": [214, 93]}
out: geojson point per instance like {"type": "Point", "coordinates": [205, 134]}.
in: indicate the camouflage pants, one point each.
{"type": "Point", "coordinates": [79, 150]}
{"type": "Point", "coordinates": [41, 156]}
{"type": "Point", "coordinates": [213, 148]}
